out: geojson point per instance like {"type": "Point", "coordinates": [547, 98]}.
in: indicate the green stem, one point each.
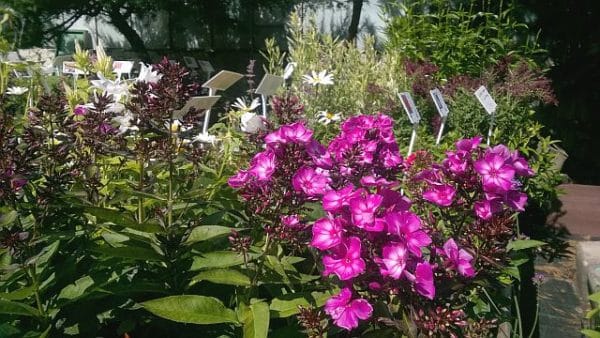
{"type": "Point", "coordinates": [535, 320]}
{"type": "Point", "coordinates": [519, 320]}
{"type": "Point", "coordinates": [140, 188]}
{"type": "Point", "coordinates": [171, 169]}
{"type": "Point", "coordinates": [35, 284]}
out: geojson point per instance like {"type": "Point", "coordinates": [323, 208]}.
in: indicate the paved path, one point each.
{"type": "Point", "coordinates": [562, 297]}
{"type": "Point", "coordinates": [580, 211]}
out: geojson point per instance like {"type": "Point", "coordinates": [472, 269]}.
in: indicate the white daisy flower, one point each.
{"type": "Point", "coordinates": [251, 123]}
{"type": "Point", "coordinates": [326, 117]}
{"type": "Point", "coordinates": [241, 105]}
{"type": "Point", "coordinates": [176, 126]}
{"type": "Point", "coordinates": [321, 78]}
{"type": "Point", "coordinates": [16, 90]}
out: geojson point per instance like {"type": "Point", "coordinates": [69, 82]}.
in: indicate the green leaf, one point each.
{"type": "Point", "coordinates": [256, 320]}
{"type": "Point", "coordinates": [595, 297]}
{"type": "Point", "coordinates": [8, 218]}
{"type": "Point", "coordinates": [223, 276]}
{"type": "Point", "coordinates": [14, 308]}
{"type": "Point", "coordinates": [523, 244]}
{"type": "Point", "coordinates": [191, 309]}
{"type": "Point", "coordinates": [121, 218]}
{"type": "Point", "coordinates": [18, 294]}
{"type": "Point", "coordinates": [206, 232]}
{"type": "Point", "coordinates": [219, 259]}
{"type": "Point", "coordinates": [287, 305]}
{"type": "Point", "coordinates": [76, 289]}
{"type": "Point", "coordinates": [591, 333]}
{"type": "Point", "coordinates": [132, 252]}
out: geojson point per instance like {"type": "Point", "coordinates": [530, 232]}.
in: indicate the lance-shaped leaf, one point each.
{"type": "Point", "coordinates": [191, 309]}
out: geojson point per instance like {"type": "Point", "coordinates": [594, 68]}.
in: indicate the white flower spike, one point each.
{"type": "Point", "coordinates": [147, 74]}
{"type": "Point", "coordinates": [322, 78]}
{"type": "Point", "coordinates": [289, 70]}
{"type": "Point", "coordinates": [16, 90]}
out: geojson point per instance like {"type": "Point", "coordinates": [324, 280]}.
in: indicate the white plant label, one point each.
{"type": "Point", "coordinates": [70, 67]}
{"type": "Point", "coordinates": [410, 107]}
{"type": "Point", "coordinates": [190, 62]}
{"type": "Point", "coordinates": [439, 102]}
{"type": "Point", "coordinates": [122, 67]}
{"type": "Point", "coordinates": [223, 80]}
{"type": "Point", "coordinates": [269, 85]}
{"type": "Point", "coordinates": [206, 66]}
{"type": "Point", "coordinates": [486, 100]}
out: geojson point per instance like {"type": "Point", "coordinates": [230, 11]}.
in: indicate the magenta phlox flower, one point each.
{"type": "Point", "coordinates": [262, 165]}
{"type": "Point", "coordinates": [440, 194]}
{"type": "Point", "coordinates": [334, 201]}
{"type": "Point", "coordinates": [364, 122]}
{"type": "Point", "coordinates": [346, 261]}
{"type": "Point", "coordinates": [456, 162]}
{"type": "Point", "coordinates": [275, 138]}
{"type": "Point", "coordinates": [459, 260]}
{"type": "Point", "coordinates": [80, 110]}
{"type": "Point", "coordinates": [363, 210]}
{"type": "Point", "coordinates": [312, 182]}
{"type": "Point", "coordinates": [296, 133]}
{"type": "Point", "coordinates": [431, 176]}
{"type": "Point", "coordinates": [291, 221]}
{"type": "Point", "coordinates": [469, 144]}
{"type": "Point", "coordinates": [516, 200]}
{"type": "Point", "coordinates": [520, 165]}
{"type": "Point", "coordinates": [372, 181]}
{"type": "Point", "coordinates": [496, 174]}
{"type": "Point", "coordinates": [424, 280]}
{"type": "Point", "coordinates": [346, 311]}
{"type": "Point", "coordinates": [394, 200]}
{"type": "Point", "coordinates": [368, 149]}
{"type": "Point", "coordinates": [105, 128]}
{"type": "Point", "coordinates": [487, 208]}
{"type": "Point", "coordinates": [239, 180]}
{"type": "Point", "coordinates": [393, 259]}
{"type": "Point", "coordinates": [327, 233]}
{"type": "Point", "coordinates": [390, 156]}
{"type": "Point", "coordinates": [500, 150]}
{"type": "Point", "coordinates": [407, 225]}
{"type": "Point", "coordinates": [319, 155]}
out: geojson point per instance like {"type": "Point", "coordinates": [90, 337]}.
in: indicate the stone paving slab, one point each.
{"type": "Point", "coordinates": [561, 307]}
{"type": "Point", "coordinates": [580, 211]}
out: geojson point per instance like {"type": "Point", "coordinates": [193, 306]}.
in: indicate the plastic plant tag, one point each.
{"type": "Point", "coordinates": [122, 67]}
{"type": "Point", "coordinates": [269, 85]}
{"type": "Point", "coordinates": [439, 102]}
{"type": "Point", "coordinates": [486, 100]}
{"type": "Point", "coordinates": [223, 80]}
{"type": "Point", "coordinates": [206, 66]}
{"type": "Point", "coordinates": [410, 107]}
{"type": "Point", "coordinates": [190, 62]}
{"type": "Point", "coordinates": [70, 67]}
{"type": "Point", "coordinates": [197, 102]}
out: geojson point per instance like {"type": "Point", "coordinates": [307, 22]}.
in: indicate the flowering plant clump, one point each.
{"type": "Point", "coordinates": [412, 234]}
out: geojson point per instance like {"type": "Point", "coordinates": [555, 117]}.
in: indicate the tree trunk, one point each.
{"type": "Point", "coordinates": [353, 28]}
{"type": "Point", "coordinates": [134, 39]}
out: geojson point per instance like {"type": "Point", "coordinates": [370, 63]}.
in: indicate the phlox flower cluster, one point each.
{"type": "Point", "coordinates": [373, 239]}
